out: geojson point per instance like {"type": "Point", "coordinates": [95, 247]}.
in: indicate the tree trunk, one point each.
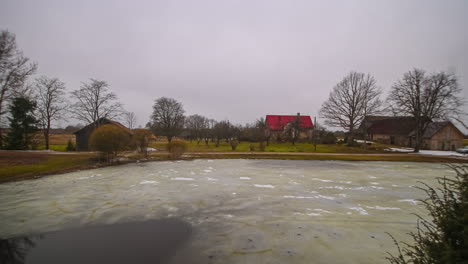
{"type": "Point", "coordinates": [46, 135]}
{"type": "Point", "coordinates": [169, 139]}
{"type": "Point", "coordinates": [417, 143]}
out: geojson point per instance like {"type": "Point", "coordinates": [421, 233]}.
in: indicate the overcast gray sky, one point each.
{"type": "Point", "coordinates": [237, 60]}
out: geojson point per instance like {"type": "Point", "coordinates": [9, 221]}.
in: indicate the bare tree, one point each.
{"type": "Point", "coordinates": [223, 130]}
{"type": "Point", "coordinates": [51, 103]}
{"type": "Point", "coordinates": [167, 118]}
{"type": "Point", "coordinates": [356, 96]}
{"type": "Point", "coordinates": [130, 119]}
{"type": "Point", "coordinates": [196, 125]}
{"type": "Point", "coordinates": [261, 132]}
{"type": "Point", "coordinates": [94, 101]}
{"type": "Point", "coordinates": [14, 72]}
{"type": "Point", "coordinates": [293, 130]}
{"type": "Point", "coordinates": [426, 98]}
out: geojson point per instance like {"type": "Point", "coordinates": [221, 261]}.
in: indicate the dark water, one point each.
{"type": "Point", "coordinates": [145, 242]}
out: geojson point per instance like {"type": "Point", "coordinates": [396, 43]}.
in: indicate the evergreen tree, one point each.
{"type": "Point", "coordinates": [22, 123]}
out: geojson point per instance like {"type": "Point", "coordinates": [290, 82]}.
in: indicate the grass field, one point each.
{"type": "Point", "coordinates": [16, 165]}
{"type": "Point", "coordinates": [349, 157]}
{"type": "Point", "coordinates": [276, 147]}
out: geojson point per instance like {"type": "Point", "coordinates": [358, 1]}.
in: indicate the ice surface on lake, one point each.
{"type": "Point", "coordinates": [246, 211]}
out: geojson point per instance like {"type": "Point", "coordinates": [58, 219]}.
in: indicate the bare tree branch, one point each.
{"type": "Point", "coordinates": [356, 96]}
{"type": "Point", "coordinates": [167, 118]}
{"type": "Point", "coordinates": [51, 103]}
{"type": "Point", "coordinates": [427, 98]}
{"type": "Point", "coordinates": [130, 119]}
{"type": "Point", "coordinates": [94, 101]}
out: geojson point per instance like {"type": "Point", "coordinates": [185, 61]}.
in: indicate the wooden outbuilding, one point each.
{"type": "Point", "coordinates": [400, 130]}
{"type": "Point", "coordinates": [82, 135]}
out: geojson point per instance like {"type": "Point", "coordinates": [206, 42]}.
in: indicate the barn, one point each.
{"type": "Point", "coordinates": [399, 130]}
{"type": "Point", "coordinates": [82, 135]}
{"type": "Point", "coordinates": [276, 125]}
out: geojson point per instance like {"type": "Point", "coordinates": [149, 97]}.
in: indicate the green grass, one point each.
{"type": "Point", "coordinates": [383, 157]}
{"type": "Point", "coordinates": [277, 147]}
{"type": "Point", "coordinates": [51, 163]}
{"type": "Point", "coordinates": [55, 147]}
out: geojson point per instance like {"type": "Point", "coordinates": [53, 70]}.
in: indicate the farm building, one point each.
{"type": "Point", "coordinates": [277, 124]}
{"type": "Point", "coordinates": [82, 135]}
{"type": "Point", "coordinates": [399, 130]}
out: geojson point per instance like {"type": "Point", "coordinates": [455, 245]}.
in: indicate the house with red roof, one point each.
{"type": "Point", "coordinates": [278, 124]}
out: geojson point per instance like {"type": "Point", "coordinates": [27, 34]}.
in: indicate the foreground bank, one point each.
{"type": "Point", "coordinates": [20, 165]}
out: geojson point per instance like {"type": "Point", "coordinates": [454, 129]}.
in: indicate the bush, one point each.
{"type": "Point", "coordinates": [109, 139]}
{"type": "Point", "coordinates": [176, 148]}
{"type": "Point", "coordinates": [234, 144]}
{"type": "Point", "coordinates": [328, 138]}
{"type": "Point", "coordinates": [140, 140]}
{"type": "Point", "coordinates": [252, 147]}
{"type": "Point", "coordinates": [353, 144]}
{"type": "Point", "coordinates": [261, 146]}
{"type": "Point", "coordinates": [70, 146]}
{"type": "Point", "coordinates": [444, 239]}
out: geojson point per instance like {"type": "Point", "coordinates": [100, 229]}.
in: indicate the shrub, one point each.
{"type": "Point", "coordinates": [70, 146]}
{"type": "Point", "coordinates": [261, 146]}
{"type": "Point", "coordinates": [328, 138]}
{"type": "Point", "coordinates": [444, 239]}
{"type": "Point", "coordinates": [109, 139]}
{"type": "Point", "coordinates": [140, 140]}
{"type": "Point", "coordinates": [252, 147]}
{"type": "Point", "coordinates": [353, 144]}
{"type": "Point", "coordinates": [176, 148]}
{"type": "Point", "coordinates": [234, 144]}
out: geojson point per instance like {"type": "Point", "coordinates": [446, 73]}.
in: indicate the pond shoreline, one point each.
{"type": "Point", "coordinates": [30, 173]}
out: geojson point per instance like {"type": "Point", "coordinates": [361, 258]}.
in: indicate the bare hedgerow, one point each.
{"type": "Point", "coordinates": [176, 148]}
{"type": "Point", "coordinates": [444, 239]}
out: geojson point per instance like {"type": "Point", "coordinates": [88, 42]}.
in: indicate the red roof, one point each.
{"type": "Point", "coordinates": [277, 122]}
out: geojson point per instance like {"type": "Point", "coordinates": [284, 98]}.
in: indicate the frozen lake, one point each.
{"type": "Point", "coordinates": [240, 211]}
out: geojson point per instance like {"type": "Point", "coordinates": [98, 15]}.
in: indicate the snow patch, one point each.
{"type": "Point", "coordinates": [382, 208]}
{"type": "Point", "coordinates": [360, 210]}
{"type": "Point", "coordinates": [264, 186]}
{"type": "Point", "coordinates": [322, 211]}
{"type": "Point", "coordinates": [411, 201]}
{"type": "Point", "coordinates": [244, 178]}
{"type": "Point", "coordinates": [300, 197]}
{"type": "Point", "coordinates": [182, 179]}
{"type": "Point", "coordinates": [148, 182]}
{"type": "Point", "coordinates": [313, 214]}
{"type": "Point", "coordinates": [316, 179]}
